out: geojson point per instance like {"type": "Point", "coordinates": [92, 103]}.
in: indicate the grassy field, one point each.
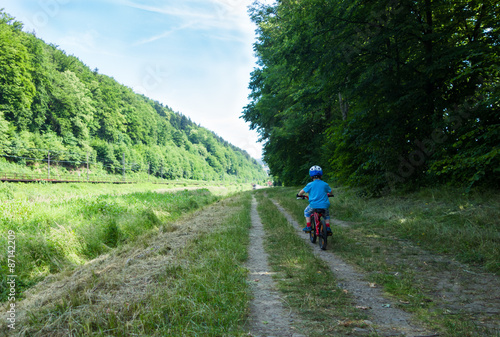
{"type": "Point", "coordinates": [150, 261]}
{"type": "Point", "coordinates": [187, 282]}
{"type": "Point", "coordinates": [466, 226]}
{"type": "Point", "coordinates": [409, 244]}
{"type": "Point", "coordinates": [445, 220]}
{"type": "Point", "coordinates": [57, 226]}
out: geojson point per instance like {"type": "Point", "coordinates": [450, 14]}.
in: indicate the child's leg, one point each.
{"type": "Point", "coordinates": [327, 221]}
{"type": "Point", "coordinates": [307, 215]}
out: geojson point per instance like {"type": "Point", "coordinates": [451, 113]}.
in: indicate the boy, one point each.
{"type": "Point", "coordinates": [318, 197]}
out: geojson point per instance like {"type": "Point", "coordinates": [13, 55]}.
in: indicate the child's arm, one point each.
{"type": "Point", "coordinates": [330, 192]}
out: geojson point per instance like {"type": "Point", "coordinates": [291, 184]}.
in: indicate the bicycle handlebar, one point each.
{"type": "Point", "coordinates": [307, 197]}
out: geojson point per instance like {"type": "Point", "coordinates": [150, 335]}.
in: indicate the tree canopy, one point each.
{"type": "Point", "coordinates": [380, 93]}
{"type": "Point", "coordinates": [50, 100]}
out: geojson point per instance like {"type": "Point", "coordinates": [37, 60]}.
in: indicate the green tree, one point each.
{"type": "Point", "coordinates": [364, 84]}
{"type": "Point", "coordinates": [16, 87]}
{"type": "Point", "coordinates": [51, 100]}
{"type": "Point", "coordinates": [4, 139]}
{"type": "Point", "coordinates": [72, 110]}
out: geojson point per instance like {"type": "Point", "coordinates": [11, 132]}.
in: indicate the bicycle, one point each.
{"type": "Point", "coordinates": [318, 225]}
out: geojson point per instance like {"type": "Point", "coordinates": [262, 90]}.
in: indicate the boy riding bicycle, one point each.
{"type": "Point", "coordinates": [318, 197]}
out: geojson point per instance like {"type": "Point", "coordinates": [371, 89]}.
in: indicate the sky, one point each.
{"type": "Point", "coordinates": [194, 56]}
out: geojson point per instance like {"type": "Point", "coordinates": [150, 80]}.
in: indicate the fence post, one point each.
{"type": "Point", "coordinates": [124, 166]}
{"type": "Point", "coordinates": [87, 166]}
{"type": "Point", "coordinates": [48, 161]}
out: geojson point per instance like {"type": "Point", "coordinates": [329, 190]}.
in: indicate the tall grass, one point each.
{"type": "Point", "coordinates": [444, 220]}
{"type": "Point", "coordinates": [60, 226]}
{"type": "Point", "coordinates": [199, 291]}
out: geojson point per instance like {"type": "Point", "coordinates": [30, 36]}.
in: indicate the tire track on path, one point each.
{"type": "Point", "coordinates": [268, 316]}
{"type": "Point", "coordinates": [385, 319]}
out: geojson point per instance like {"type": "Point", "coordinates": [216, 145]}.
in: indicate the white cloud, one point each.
{"type": "Point", "coordinates": [180, 10]}
{"type": "Point", "coordinates": [164, 34]}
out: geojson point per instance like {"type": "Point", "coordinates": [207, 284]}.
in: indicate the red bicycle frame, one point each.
{"type": "Point", "coordinates": [320, 229]}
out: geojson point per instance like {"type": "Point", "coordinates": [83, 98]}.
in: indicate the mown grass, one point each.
{"type": "Point", "coordinates": [203, 293]}
{"type": "Point", "coordinates": [200, 291]}
{"type": "Point", "coordinates": [379, 228]}
{"type": "Point", "coordinates": [59, 226]}
{"type": "Point", "coordinates": [211, 296]}
{"type": "Point", "coordinates": [307, 282]}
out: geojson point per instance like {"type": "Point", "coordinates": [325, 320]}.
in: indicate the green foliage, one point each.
{"type": "Point", "coordinates": [381, 94]}
{"type": "Point", "coordinates": [16, 88]}
{"type": "Point", "coordinates": [52, 101]}
{"type": "Point", "coordinates": [4, 140]}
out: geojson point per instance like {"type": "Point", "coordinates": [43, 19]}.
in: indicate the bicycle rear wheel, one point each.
{"type": "Point", "coordinates": [323, 234]}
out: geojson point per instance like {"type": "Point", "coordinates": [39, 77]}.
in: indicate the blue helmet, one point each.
{"type": "Point", "coordinates": [315, 171]}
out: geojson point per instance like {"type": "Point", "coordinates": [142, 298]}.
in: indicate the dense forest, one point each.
{"type": "Point", "coordinates": [382, 94]}
{"type": "Point", "coordinates": [52, 101]}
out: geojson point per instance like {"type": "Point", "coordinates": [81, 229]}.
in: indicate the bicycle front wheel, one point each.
{"type": "Point", "coordinates": [323, 234]}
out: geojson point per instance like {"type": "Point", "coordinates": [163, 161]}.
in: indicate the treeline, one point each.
{"type": "Point", "coordinates": [50, 100]}
{"type": "Point", "coordinates": [382, 94]}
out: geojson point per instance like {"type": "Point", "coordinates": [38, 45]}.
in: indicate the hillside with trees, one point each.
{"type": "Point", "coordinates": [52, 101]}
{"type": "Point", "coordinates": [382, 94]}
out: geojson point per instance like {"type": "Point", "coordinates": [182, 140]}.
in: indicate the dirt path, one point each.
{"type": "Point", "coordinates": [452, 287]}
{"type": "Point", "coordinates": [385, 319]}
{"type": "Point", "coordinates": [268, 315]}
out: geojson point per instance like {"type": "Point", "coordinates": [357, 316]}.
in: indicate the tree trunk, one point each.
{"type": "Point", "coordinates": [344, 107]}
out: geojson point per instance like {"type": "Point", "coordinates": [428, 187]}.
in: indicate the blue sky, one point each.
{"type": "Point", "coordinates": [193, 55]}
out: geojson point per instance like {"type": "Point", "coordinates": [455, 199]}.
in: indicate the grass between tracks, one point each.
{"type": "Point", "coordinates": [386, 239]}
{"type": "Point", "coordinates": [307, 282]}
{"type": "Point", "coordinates": [201, 290]}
